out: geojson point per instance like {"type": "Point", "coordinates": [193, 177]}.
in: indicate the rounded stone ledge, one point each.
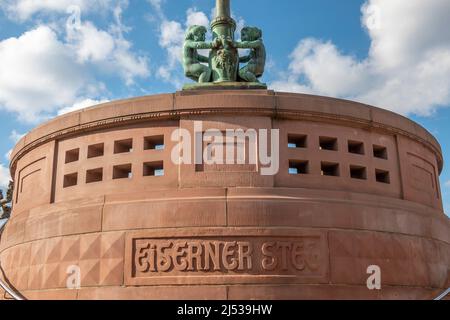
{"type": "Point", "coordinates": [232, 293]}
{"type": "Point", "coordinates": [227, 207]}
{"type": "Point", "coordinates": [322, 228]}
{"type": "Point", "coordinates": [254, 102]}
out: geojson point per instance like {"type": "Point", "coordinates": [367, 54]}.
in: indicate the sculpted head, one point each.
{"type": "Point", "coordinates": [251, 34]}
{"type": "Point", "coordinates": [196, 33]}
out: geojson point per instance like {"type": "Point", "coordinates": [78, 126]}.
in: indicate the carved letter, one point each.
{"type": "Point", "coordinates": [284, 246]}
{"type": "Point", "coordinates": [164, 259]}
{"type": "Point", "coordinates": [212, 255]}
{"type": "Point", "coordinates": [180, 252]}
{"type": "Point", "coordinates": [229, 251]}
{"type": "Point", "coordinates": [297, 256]}
{"type": "Point", "coordinates": [270, 262]}
{"type": "Point", "coordinates": [245, 257]}
{"type": "Point", "coordinates": [195, 255]}
{"type": "Point", "coordinates": [141, 257]}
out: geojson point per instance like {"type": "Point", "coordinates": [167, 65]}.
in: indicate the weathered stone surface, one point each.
{"type": "Point", "coordinates": [226, 231]}
{"type": "Point", "coordinates": [225, 86]}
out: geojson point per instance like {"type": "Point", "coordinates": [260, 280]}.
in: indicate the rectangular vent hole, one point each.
{"type": "Point", "coordinates": [356, 147]}
{"type": "Point", "coordinates": [380, 152]}
{"type": "Point", "coordinates": [382, 176]}
{"type": "Point", "coordinates": [330, 169]}
{"type": "Point", "coordinates": [123, 146]}
{"type": "Point", "coordinates": [297, 141]}
{"type": "Point", "coordinates": [122, 171]}
{"type": "Point", "coordinates": [327, 143]}
{"type": "Point", "coordinates": [96, 150]}
{"type": "Point", "coordinates": [154, 143]}
{"type": "Point", "coordinates": [357, 172]}
{"type": "Point", "coordinates": [72, 155]}
{"type": "Point", "coordinates": [154, 169]}
{"type": "Point", "coordinates": [70, 180]}
{"type": "Point", "coordinates": [94, 175]}
{"type": "Point", "coordinates": [298, 167]}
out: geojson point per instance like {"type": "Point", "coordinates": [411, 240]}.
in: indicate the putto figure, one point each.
{"type": "Point", "coordinates": [6, 210]}
{"type": "Point", "coordinates": [222, 67]}
{"type": "Point", "coordinates": [192, 60]}
{"type": "Point", "coordinates": [252, 39]}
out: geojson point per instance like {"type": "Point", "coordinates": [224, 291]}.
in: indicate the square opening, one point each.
{"type": "Point", "coordinates": [70, 180]}
{"type": "Point", "coordinates": [72, 155]}
{"type": "Point", "coordinates": [122, 171]}
{"type": "Point", "coordinates": [380, 152]}
{"type": "Point", "coordinates": [382, 176]}
{"type": "Point", "coordinates": [298, 167]}
{"type": "Point", "coordinates": [154, 169]}
{"type": "Point", "coordinates": [123, 146]}
{"type": "Point", "coordinates": [327, 143]}
{"type": "Point", "coordinates": [154, 143]}
{"type": "Point", "coordinates": [94, 175]}
{"type": "Point", "coordinates": [356, 147]}
{"type": "Point", "coordinates": [96, 150]}
{"type": "Point", "coordinates": [357, 172]}
{"type": "Point", "coordinates": [330, 169]}
{"type": "Point", "coordinates": [297, 141]}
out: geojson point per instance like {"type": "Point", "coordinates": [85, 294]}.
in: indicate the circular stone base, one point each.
{"type": "Point", "coordinates": [357, 189]}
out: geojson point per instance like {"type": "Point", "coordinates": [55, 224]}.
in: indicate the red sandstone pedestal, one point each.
{"type": "Point", "coordinates": [367, 193]}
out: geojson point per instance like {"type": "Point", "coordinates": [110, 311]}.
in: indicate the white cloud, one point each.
{"type": "Point", "coordinates": [5, 177]}
{"type": "Point", "coordinates": [407, 69]}
{"type": "Point", "coordinates": [8, 155]}
{"type": "Point", "coordinates": [90, 43]}
{"type": "Point", "coordinates": [194, 17]}
{"type": "Point", "coordinates": [15, 136]}
{"type": "Point", "coordinates": [171, 38]}
{"type": "Point", "coordinates": [447, 184]}
{"type": "Point", "coordinates": [81, 105]}
{"type": "Point", "coordinates": [41, 73]}
{"type": "Point", "coordinates": [25, 9]}
{"type": "Point", "coordinates": [38, 72]}
{"type": "Point", "coordinates": [108, 49]}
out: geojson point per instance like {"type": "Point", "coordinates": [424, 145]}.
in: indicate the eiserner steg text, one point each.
{"type": "Point", "coordinates": [214, 256]}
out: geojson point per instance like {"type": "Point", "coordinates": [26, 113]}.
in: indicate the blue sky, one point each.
{"type": "Point", "coordinates": [60, 55]}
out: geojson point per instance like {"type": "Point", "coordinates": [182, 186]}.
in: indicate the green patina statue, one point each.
{"type": "Point", "coordinates": [6, 209]}
{"type": "Point", "coordinates": [192, 60]}
{"type": "Point", "coordinates": [223, 64]}
{"type": "Point", "coordinates": [252, 38]}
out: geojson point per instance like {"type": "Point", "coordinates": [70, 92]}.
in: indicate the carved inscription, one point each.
{"type": "Point", "coordinates": [301, 256]}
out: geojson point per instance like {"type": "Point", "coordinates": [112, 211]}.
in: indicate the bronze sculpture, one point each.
{"type": "Point", "coordinates": [6, 209]}
{"type": "Point", "coordinates": [252, 38]}
{"type": "Point", "coordinates": [192, 60]}
{"type": "Point", "coordinates": [224, 61]}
